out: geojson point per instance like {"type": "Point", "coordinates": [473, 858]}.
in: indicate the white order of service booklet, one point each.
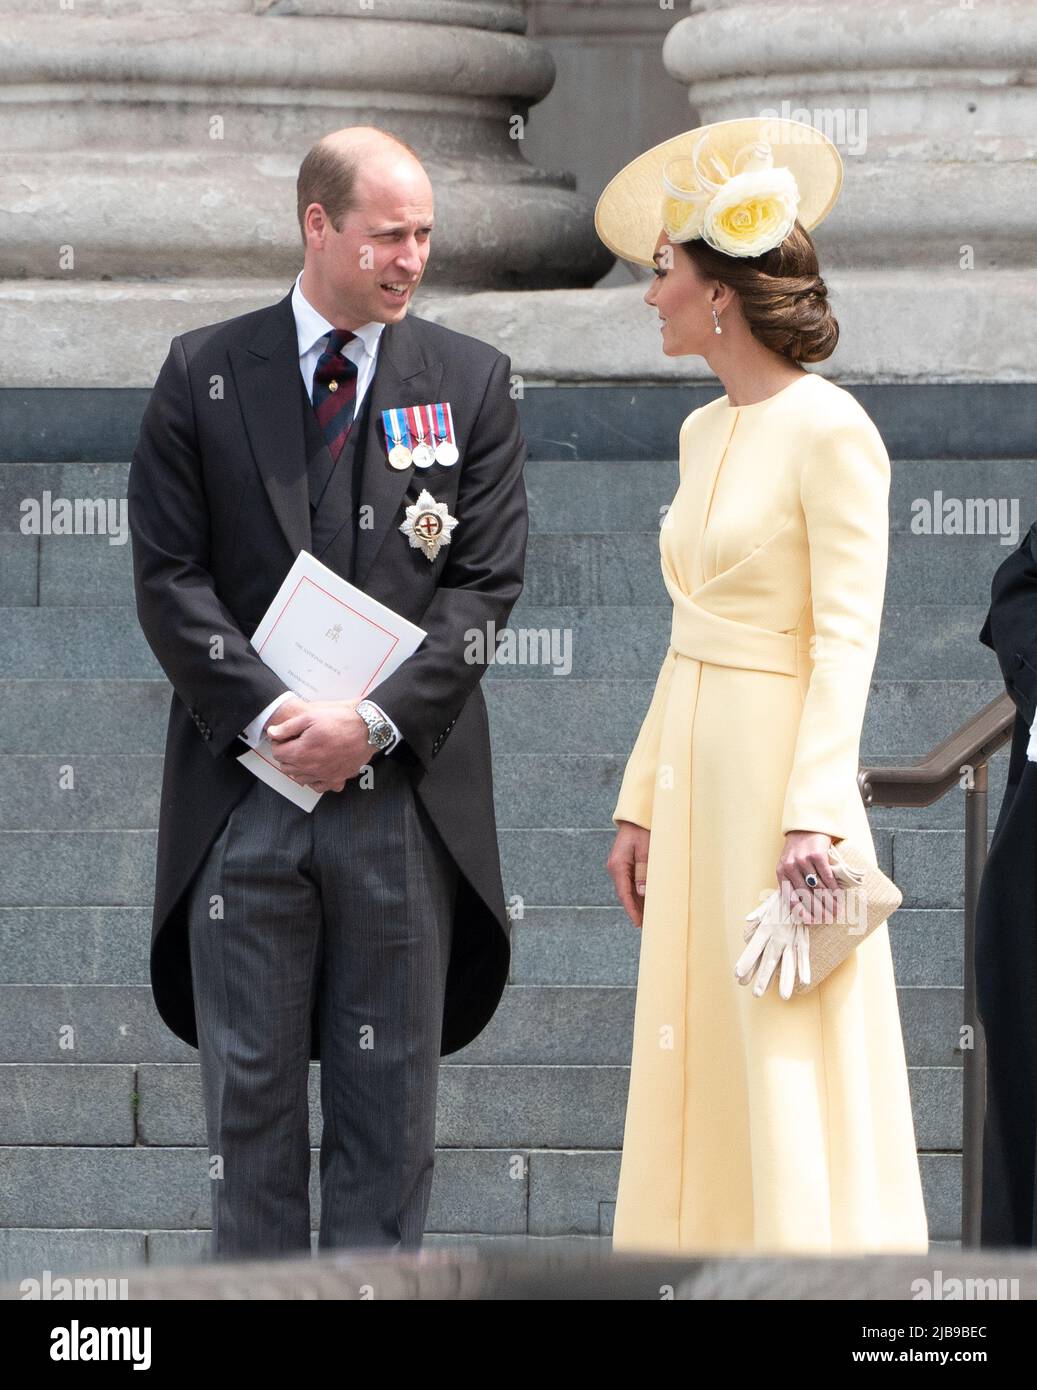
{"type": "Point", "coordinates": [327, 640]}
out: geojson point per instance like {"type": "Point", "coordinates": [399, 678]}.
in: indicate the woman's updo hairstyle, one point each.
{"type": "Point", "coordinates": [783, 297]}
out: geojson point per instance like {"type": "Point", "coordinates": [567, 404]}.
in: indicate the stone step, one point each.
{"type": "Point", "coordinates": [611, 495]}
{"type": "Point", "coordinates": [546, 1107]}
{"type": "Point", "coordinates": [580, 421]}
{"type": "Point", "coordinates": [490, 1191]}
{"type": "Point", "coordinates": [25, 1252]}
{"type": "Point", "coordinates": [567, 717]}
{"type": "Point", "coordinates": [543, 867]}
{"type": "Point", "coordinates": [76, 643]}
{"type": "Point", "coordinates": [617, 567]}
{"type": "Point", "coordinates": [87, 1186]}
{"type": "Point", "coordinates": [109, 946]}
{"type": "Point", "coordinates": [84, 716]}
{"type": "Point", "coordinates": [109, 791]}
{"type": "Point", "coordinates": [566, 1025]}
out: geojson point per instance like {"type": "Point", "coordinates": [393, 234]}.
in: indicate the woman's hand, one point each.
{"type": "Point", "coordinates": [806, 852]}
{"type": "Point", "coordinates": [628, 865]}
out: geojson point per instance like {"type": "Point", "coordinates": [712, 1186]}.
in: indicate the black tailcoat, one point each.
{"type": "Point", "coordinates": [1006, 925]}
{"type": "Point", "coordinates": [219, 508]}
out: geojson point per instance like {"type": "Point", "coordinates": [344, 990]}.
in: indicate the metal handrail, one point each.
{"type": "Point", "coordinates": [965, 752]}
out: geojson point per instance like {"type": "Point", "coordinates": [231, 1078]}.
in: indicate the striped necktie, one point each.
{"type": "Point", "coordinates": [334, 391]}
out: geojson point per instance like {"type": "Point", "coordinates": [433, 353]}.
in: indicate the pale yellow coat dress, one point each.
{"type": "Point", "coordinates": [763, 1124]}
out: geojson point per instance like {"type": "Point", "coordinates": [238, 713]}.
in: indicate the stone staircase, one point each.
{"type": "Point", "coordinates": [101, 1126]}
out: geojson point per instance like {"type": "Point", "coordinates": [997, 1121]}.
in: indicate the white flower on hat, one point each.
{"type": "Point", "coordinates": [743, 208]}
{"type": "Point", "coordinates": [752, 212]}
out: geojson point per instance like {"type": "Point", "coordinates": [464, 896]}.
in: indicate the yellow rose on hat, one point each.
{"type": "Point", "coordinates": [752, 212]}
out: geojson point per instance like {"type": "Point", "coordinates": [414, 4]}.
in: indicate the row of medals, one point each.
{"type": "Point", "coordinates": [423, 455]}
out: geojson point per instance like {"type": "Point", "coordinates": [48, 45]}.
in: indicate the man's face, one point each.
{"type": "Point", "coordinates": [384, 242]}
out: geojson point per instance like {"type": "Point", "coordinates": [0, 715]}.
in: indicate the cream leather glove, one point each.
{"type": "Point", "coordinates": [773, 936]}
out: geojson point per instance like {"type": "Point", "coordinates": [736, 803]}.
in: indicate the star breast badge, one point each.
{"type": "Point", "coordinates": [428, 524]}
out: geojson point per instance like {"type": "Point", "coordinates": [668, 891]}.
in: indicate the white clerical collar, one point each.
{"type": "Point", "coordinates": [310, 326]}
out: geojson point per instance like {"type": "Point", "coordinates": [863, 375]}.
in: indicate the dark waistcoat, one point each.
{"type": "Point", "coordinates": [334, 523]}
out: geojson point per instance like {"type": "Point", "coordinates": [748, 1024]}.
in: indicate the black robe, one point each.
{"type": "Point", "coordinates": [1006, 926]}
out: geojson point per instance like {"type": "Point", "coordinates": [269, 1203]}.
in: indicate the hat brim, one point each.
{"type": "Point", "coordinates": [628, 216]}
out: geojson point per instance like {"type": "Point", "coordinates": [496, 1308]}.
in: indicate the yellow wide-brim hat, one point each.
{"type": "Point", "coordinates": [749, 155]}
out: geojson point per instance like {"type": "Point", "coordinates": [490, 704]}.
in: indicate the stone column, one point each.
{"type": "Point", "coordinates": [613, 98]}
{"type": "Point", "coordinates": [933, 105]}
{"type": "Point", "coordinates": [151, 149]}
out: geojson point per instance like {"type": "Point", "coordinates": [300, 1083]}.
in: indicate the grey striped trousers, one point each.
{"type": "Point", "coordinates": [346, 911]}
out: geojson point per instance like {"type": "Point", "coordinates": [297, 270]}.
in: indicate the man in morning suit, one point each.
{"type": "Point", "coordinates": [370, 933]}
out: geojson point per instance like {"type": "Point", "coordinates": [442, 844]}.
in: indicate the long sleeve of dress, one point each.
{"type": "Point", "coordinates": [638, 787]}
{"type": "Point", "coordinates": [637, 791]}
{"type": "Point", "coordinates": [844, 493]}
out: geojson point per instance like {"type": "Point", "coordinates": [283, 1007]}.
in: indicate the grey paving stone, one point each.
{"type": "Point", "coordinates": [71, 791]}
{"type": "Point", "coordinates": [30, 1253]}
{"type": "Point", "coordinates": [19, 569]}
{"type": "Point", "coordinates": [905, 719]}
{"type": "Point", "coordinates": [936, 1102]}
{"type": "Point", "coordinates": [75, 945]}
{"type": "Point", "coordinates": [70, 643]}
{"type": "Point", "coordinates": [961, 479]}
{"type": "Point", "coordinates": [941, 1187]}
{"type": "Point", "coordinates": [557, 1026]}
{"type": "Point", "coordinates": [86, 571]}
{"type": "Point", "coordinates": [178, 1247]}
{"type": "Point", "coordinates": [96, 1023]}
{"type": "Point", "coordinates": [77, 868]}
{"type": "Point", "coordinates": [931, 1021]}
{"type": "Point", "coordinates": [84, 716]}
{"type": "Point", "coordinates": [944, 569]}
{"type": "Point", "coordinates": [927, 946]}
{"type": "Point", "coordinates": [58, 1104]}
{"type": "Point", "coordinates": [20, 482]}
{"type": "Point", "coordinates": [929, 868]}
{"type": "Point", "coordinates": [85, 1186]}
{"type": "Point", "coordinates": [168, 1189]}
{"type": "Point", "coordinates": [567, 1192]}
{"type": "Point", "coordinates": [574, 945]}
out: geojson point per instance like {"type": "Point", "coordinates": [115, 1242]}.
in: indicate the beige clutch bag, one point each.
{"type": "Point", "coordinates": [807, 953]}
{"type": "Point", "coordinates": [866, 899]}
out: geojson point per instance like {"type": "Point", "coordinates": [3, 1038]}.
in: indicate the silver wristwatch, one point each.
{"type": "Point", "coordinates": [379, 730]}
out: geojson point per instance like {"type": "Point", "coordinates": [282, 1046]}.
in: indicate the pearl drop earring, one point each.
{"type": "Point", "coordinates": [716, 323]}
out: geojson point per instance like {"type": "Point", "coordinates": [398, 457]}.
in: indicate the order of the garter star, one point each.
{"type": "Point", "coordinates": [428, 524]}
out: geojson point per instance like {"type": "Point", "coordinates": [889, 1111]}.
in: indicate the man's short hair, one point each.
{"type": "Point", "coordinates": [328, 177]}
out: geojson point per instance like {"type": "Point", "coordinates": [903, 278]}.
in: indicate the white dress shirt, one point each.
{"type": "Point", "coordinates": [312, 330]}
{"type": "Point", "coordinates": [1031, 747]}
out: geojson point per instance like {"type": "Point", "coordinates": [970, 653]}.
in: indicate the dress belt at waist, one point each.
{"type": "Point", "coordinates": [697, 633]}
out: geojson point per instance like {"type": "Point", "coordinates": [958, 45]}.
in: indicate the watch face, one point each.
{"type": "Point", "coordinates": [379, 732]}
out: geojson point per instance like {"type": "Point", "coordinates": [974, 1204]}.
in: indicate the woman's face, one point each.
{"type": "Point", "coordinates": [684, 299]}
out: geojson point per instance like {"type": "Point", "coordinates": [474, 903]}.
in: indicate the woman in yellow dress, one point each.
{"type": "Point", "coordinates": [756, 1123]}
